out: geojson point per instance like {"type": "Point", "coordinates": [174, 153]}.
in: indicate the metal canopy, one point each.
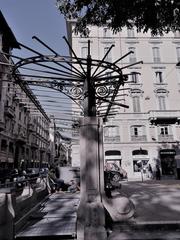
{"type": "Point", "coordinates": [92, 84]}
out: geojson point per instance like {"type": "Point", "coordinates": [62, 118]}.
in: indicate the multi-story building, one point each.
{"type": "Point", "coordinates": [148, 132]}
{"type": "Point", "coordinates": [24, 126]}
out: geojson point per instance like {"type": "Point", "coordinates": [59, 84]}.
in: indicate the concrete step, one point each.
{"type": "Point", "coordinates": [145, 235]}
{"type": "Point", "coordinates": [160, 230]}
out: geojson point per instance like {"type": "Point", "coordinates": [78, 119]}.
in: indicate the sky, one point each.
{"type": "Point", "coordinates": [42, 19]}
{"type": "Point", "coordinates": [35, 17]}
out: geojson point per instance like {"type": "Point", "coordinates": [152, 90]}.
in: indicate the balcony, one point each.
{"type": "Point", "coordinates": [2, 126]}
{"type": "Point", "coordinates": [142, 138]}
{"type": "Point", "coordinates": [34, 146]}
{"type": "Point", "coordinates": [31, 127]}
{"type": "Point", "coordinates": [42, 149]}
{"type": "Point", "coordinates": [165, 138]}
{"type": "Point", "coordinates": [9, 111]}
{"type": "Point", "coordinates": [164, 117]}
{"type": "Point", "coordinates": [21, 138]}
{"type": "Point", "coordinates": [115, 139]}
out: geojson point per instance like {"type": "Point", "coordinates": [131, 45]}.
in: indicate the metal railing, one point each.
{"type": "Point", "coordinates": [18, 185]}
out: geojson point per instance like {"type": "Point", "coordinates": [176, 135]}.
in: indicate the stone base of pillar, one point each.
{"type": "Point", "coordinates": [91, 221]}
{"type": "Point", "coordinates": [91, 212]}
{"type": "Point", "coordinates": [119, 207]}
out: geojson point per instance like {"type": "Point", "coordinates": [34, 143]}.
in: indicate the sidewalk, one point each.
{"type": "Point", "coordinates": [157, 214]}
{"type": "Point", "coordinates": [56, 218]}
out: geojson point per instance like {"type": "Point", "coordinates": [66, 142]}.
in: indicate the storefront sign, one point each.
{"type": "Point", "coordinates": [167, 152]}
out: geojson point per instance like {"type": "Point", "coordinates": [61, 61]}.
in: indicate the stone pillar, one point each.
{"type": "Point", "coordinates": [91, 215]}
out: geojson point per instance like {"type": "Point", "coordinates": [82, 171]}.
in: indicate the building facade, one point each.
{"type": "Point", "coordinates": [24, 126]}
{"type": "Point", "coordinates": [148, 132]}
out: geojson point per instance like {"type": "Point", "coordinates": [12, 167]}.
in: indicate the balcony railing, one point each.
{"type": "Point", "coordinates": [115, 139]}
{"type": "Point", "coordinates": [2, 126]}
{"type": "Point", "coordinates": [164, 113]}
{"type": "Point", "coordinates": [165, 138]}
{"type": "Point", "coordinates": [34, 145]}
{"type": "Point", "coordinates": [9, 111]}
{"type": "Point", "coordinates": [142, 138]}
{"type": "Point", "coordinates": [31, 127]}
{"type": "Point", "coordinates": [165, 116]}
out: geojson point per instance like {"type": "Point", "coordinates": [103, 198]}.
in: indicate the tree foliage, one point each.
{"type": "Point", "coordinates": [158, 16]}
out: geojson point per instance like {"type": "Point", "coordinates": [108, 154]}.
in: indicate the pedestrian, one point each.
{"type": "Point", "coordinates": [158, 173]}
{"type": "Point", "coordinates": [73, 187]}
{"type": "Point", "coordinates": [150, 172]}
{"type": "Point", "coordinates": [52, 180]}
{"type": "Point", "coordinates": [57, 172]}
{"type": "Point", "coordinates": [107, 183]}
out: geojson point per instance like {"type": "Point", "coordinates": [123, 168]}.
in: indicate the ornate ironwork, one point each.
{"type": "Point", "coordinates": [88, 82]}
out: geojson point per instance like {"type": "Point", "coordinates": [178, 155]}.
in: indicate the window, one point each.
{"type": "Point", "coordinates": [139, 165]}
{"type": "Point", "coordinates": [137, 131]}
{"type": "Point", "coordinates": [177, 34]}
{"type": "Point", "coordinates": [162, 102]}
{"type": "Point", "coordinates": [108, 74]}
{"type": "Point", "coordinates": [132, 56]}
{"type": "Point", "coordinates": [111, 131]}
{"type": "Point", "coordinates": [108, 57]}
{"type": "Point", "coordinates": [135, 77]}
{"type": "Point", "coordinates": [4, 145]}
{"type": "Point", "coordinates": [11, 147]}
{"type": "Point", "coordinates": [84, 52]}
{"type": "Point", "coordinates": [164, 130]}
{"type": "Point", "coordinates": [19, 115]}
{"type": "Point", "coordinates": [159, 77]}
{"type": "Point", "coordinates": [156, 54]}
{"type": "Point", "coordinates": [178, 53]}
{"type": "Point", "coordinates": [1, 43]}
{"type": "Point", "coordinates": [136, 104]}
{"type": "Point", "coordinates": [106, 32]}
{"type": "Point", "coordinates": [130, 33]}
{"type": "Point", "coordinates": [8, 89]}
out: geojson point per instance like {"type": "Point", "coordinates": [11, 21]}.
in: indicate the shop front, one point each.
{"type": "Point", "coordinates": [113, 157]}
{"type": "Point", "coordinates": [140, 163]}
{"type": "Point", "coordinates": [168, 163]}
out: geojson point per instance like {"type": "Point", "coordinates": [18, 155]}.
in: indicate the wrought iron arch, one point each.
{"type": "Point", "coordinates": [83, 80]}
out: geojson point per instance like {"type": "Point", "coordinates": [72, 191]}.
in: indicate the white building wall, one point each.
{"type": "Point", "coordinates": [143, 43]}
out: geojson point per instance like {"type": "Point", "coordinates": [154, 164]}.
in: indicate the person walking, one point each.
{"type": "Point", "coordinates": [150, 172]}
{"type": "Point", "coordinates": [158, 173]}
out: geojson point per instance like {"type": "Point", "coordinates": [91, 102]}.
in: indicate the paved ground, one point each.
{"type": "Point", "coordinates": [55, 219]}
{"type": "Point", "coordinates": [157, 215]}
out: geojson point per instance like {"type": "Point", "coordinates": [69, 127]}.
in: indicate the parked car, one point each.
{"type": "Point", "coordinates": [43, 172]}
{"type": "Point", "coordinates": [116, 173]}
{"type": "Point", "coordinates": [32, 172]}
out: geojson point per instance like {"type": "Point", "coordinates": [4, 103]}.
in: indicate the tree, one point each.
{"type": "Point", "coordinates": [158, 16]}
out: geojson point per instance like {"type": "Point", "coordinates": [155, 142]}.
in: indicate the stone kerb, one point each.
{"type": "Point", "coordinates": [14, 209]}
{"type": "Point", "coordinates": [30, 196]}
{"type": "Point", "coordinates": [7, 215]}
